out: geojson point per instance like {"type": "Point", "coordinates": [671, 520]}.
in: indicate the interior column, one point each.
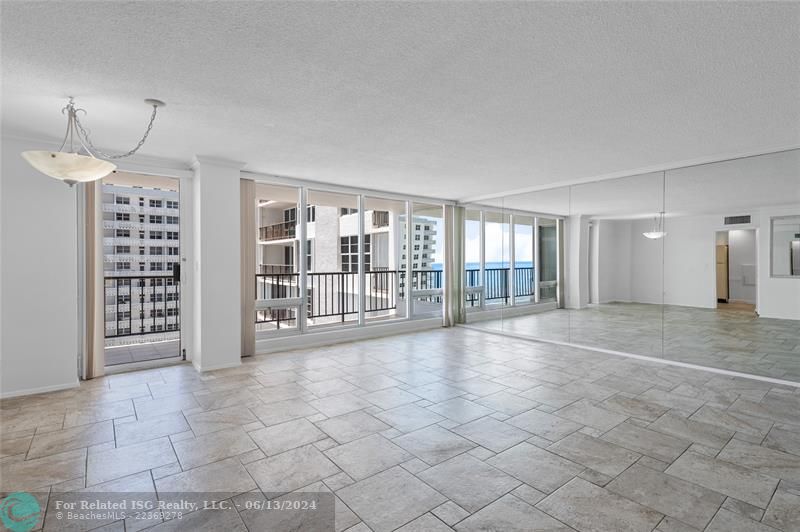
{"type": "Point", "coordinates": [217, 264]}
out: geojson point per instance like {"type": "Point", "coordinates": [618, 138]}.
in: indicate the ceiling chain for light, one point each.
{"type": "Point", "coordinates": [93, 149]}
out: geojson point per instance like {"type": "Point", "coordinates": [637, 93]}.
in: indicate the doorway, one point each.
{"type": "Point", "coordinates": [141, 268]}
{"type": "Point", "coordinates": [736, 280]}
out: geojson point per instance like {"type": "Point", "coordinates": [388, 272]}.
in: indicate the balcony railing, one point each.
{"type": "Point", "coordinates": [496, 284]}
{"type": "Point", "coordinates": [380, 219]}
{"type": "Point", "coordinates": [139, 305]}
{"type": "Point", "coordinates": [278, 231]}
{"type": "Point", "coordinates": [335, 294]}
{"type": "Point", "coordinates": [277, 268]}
{"type": "Point", "coordinates": [329, 294]}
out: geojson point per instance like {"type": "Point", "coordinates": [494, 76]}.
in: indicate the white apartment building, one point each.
{"type": "Point", "coordinates": [140, 252]}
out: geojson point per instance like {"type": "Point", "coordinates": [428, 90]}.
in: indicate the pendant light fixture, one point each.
{"type": "Point", "coordinates": [73, 167]}
{"type": "Point", "coordinates": [658, 222]}
{"type": "Point", "coordinates": [658, 228]}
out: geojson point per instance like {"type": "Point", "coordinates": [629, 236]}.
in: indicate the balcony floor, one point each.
{"type": "Point", "coordinates": [126, 354]}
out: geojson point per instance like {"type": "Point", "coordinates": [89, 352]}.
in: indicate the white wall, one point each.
{"type": "Point", "coordinates": [646, 263]}
{"type": "Point", "coordinates": [38, 245]}
{"type": "Point", "coordinates": [690, 261]}
{"type": "Point", "coordinates": [777, 297]}
{"type": "Point", "coordinates": [677, 270]}
{"type": "Point", "coordinates": [741, 261]}
{"type": "Point", "coordinates": [613, 277]}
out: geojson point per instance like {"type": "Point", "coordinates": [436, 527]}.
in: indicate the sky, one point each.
{"type": "Point", "coordinates": [497, 242]}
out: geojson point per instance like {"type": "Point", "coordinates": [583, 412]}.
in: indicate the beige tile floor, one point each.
{"type": "Point", "coordinates": [726, 339]}
{"type": "Point", "coordinates": [439, 430]}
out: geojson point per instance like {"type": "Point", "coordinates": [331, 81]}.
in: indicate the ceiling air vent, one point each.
{"type": "Point", "coordinates": [733, 220]}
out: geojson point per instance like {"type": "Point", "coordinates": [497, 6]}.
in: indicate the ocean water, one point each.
{"type": "Point", "coordinates": [489, 265]}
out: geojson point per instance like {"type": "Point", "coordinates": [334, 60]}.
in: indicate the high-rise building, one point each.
{"type": "Point", "coordinates": [140, 252]}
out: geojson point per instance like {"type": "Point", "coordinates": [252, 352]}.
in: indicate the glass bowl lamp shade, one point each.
{"type": "Point", "coordinates": [68, 167]}
{"type": "Point", "coordinates": [658, 228]}
{"type": "Point", "coordinates": [654, 235]}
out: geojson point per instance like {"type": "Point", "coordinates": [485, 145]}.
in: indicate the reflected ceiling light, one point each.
{"type": "Point", "coordinates": [658, 228]}
{"type": "Point", "coordinates": [72, 167]}
{"type": "Point", "coordinates": [265, 203]}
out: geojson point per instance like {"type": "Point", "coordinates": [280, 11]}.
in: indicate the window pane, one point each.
{"type": "Point", "coordinates": [498, 263]}
{"type": "Point", "coordinates": [333, 296]}
{"type": "Point", "coordinates": [427, 274]}
{"type": "Point", "coordinates": [523, 259]}
{"type": "Point", "coordinates": [276, 248]}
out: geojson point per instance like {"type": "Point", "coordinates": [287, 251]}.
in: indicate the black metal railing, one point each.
{"type": "Point", "coordinates": [496, 281]}
{"type": "Point", "coordinates": [277, 231]}
{"type": "Point", "coordinates": [382, 290]}
{"type": "Point", "coordinates": [139, 305]}
{"type": "Point", "coordinates": [523, 282]}
{"type": "Point", "coordinates": [330, 294]}
{"type": "Point", "coordinates": [335, 294]}
{"type": "Point", "coordinates": [471, 280]}
{"type": "Point", "coordinates": [495, 284]}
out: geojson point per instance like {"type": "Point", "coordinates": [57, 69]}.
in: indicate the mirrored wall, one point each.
{"type": "Point", "coordinates": [698, 265]}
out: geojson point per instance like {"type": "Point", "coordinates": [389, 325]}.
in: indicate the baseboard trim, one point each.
{"type": "Point", "coordinates": [43, 389]}
{"type": "Point", "coordinates": [235, 364]}
{"type": "Point", "coordinates": [664, 361]}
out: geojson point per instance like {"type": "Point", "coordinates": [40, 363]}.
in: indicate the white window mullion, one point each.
{"type": "Point", "coordinates": [361, 271]}
{"type": "Point", "coordinates": [482, 272]}
{"type": "Point", "coordinates": [409, 252]}
{"type": "Point", "coordinates": [301, 268]}
{"type": "Point", "coordinates": [536, 264]}
{"type": "Point", "coordinates": [512, 281]}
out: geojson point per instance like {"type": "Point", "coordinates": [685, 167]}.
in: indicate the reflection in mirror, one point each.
{"type": "Point", "coordinates": [615, 265]}
{"type": "Point", "coordinates": [730, 300]}
{"type": "Point", "coordinates": [473, 262]}
{"type": "Point", "coordinates": [496, 279]}
{"type": "Point", "coordinates": [698, 265]}
{"type": "Point", "coordinates": [523, 278]}
{"type": "Point", "coordinates": [548, 259]}
{"type": "Point", "coordinates": [523, 263]}
{"type": "Point", "coordinates": [785, 242]}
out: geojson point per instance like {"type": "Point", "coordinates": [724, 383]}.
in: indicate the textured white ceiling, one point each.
{"type": "Point", "coordinates": [448, 99]}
